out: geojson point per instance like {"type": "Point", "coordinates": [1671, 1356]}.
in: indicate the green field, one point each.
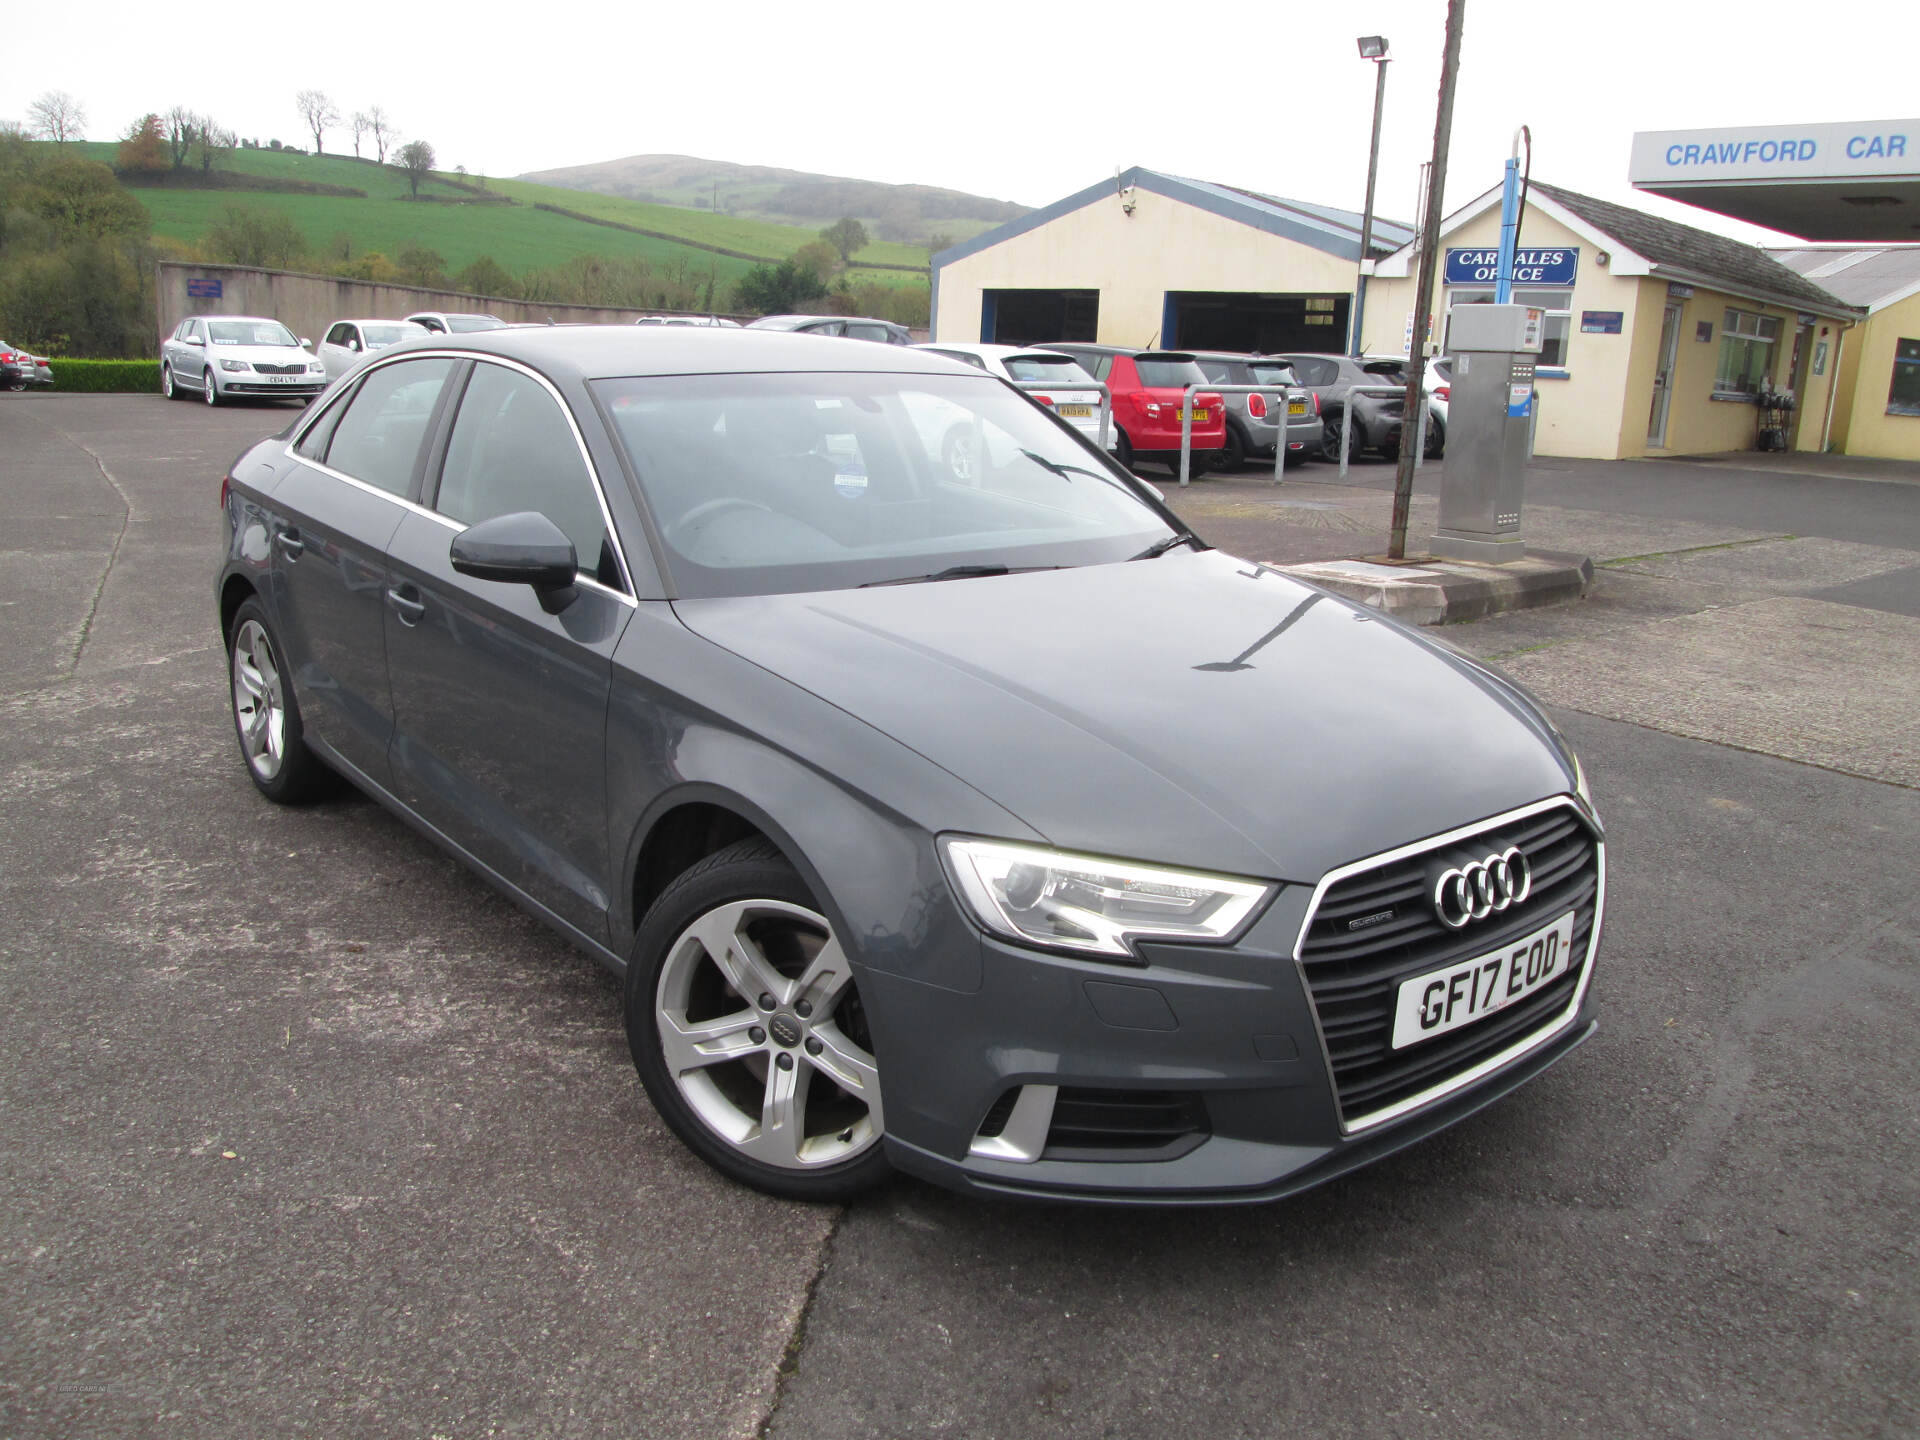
{"type": "Point", "coordinates": [518, 236]}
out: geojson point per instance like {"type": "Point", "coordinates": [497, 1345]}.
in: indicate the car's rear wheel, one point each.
{"type": "Point", "coordinates": [1234, 455]}
{"type": "Point", "coordinates": [266, 716]}
{"type": "Point", "coordinates": [1123, 449]}
{"type": "Point", "coordinates": [210, 392]}
{"type": "Point", "coordinates": [1436, 439]}
{"type": "Point", "coordinates": [746, 1027]}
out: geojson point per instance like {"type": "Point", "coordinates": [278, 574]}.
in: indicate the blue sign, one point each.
{"type": "Point", "coordinates": [1481, 266]}
{"type": "Point", "coordinates": [1601, 322]}
{"type": "Point", "coordinates": [203, 289]}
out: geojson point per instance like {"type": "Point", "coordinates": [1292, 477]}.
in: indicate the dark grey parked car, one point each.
{"type": "Point", "coordinates": [1253, 421]}
{"type": "Point", "coordinates": [1376, 418]}
{"type": "Point", "coordinates": [996, 830]}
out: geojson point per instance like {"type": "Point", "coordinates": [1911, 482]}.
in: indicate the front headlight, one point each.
{"type": "Point", "coordinates": [1078, 902]}
{"type": "Point", "coordinates": [316, 366]}
{"type": "Point", "coordinates": [235, 365]}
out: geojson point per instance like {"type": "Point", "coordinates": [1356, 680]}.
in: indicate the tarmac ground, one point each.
{"type": "Point", "coordinates": [303, 1131]}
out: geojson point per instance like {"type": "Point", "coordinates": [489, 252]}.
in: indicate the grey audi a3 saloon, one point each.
{"type": "Point", "coordinates": [996, 830]}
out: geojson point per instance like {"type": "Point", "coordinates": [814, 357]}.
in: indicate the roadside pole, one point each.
{"type": "Point", "coordinates": [1423, 296]}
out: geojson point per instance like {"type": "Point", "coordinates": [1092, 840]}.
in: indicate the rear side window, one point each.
{"type": "Point", "coordinates": [512, 450]}
{"type": "Point", "coordinates": [378, 438]}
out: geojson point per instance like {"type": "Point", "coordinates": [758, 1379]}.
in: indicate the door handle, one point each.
{"type": "Point", "coordinates": [406, 604]}
{"type": "Point", "coordinates": [290, 543]}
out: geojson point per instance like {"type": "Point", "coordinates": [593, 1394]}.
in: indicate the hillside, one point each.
{"type": "Point", "coordinates": [906, 213]}
{"type": "Point", "coordinates": [463, 221]}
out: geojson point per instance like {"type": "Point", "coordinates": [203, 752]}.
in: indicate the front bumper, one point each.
{"type": "Point", "coordinates": [259, 385]}
{"type": "Point", "coordinates": [1231, 1034]}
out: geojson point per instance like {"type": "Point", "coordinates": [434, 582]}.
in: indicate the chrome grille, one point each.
{"type": "Point", "coordinates": [1377, 927]}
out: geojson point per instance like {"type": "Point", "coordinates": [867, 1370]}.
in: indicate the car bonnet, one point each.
{"type": "Point", "coordinates": [1194, 709]}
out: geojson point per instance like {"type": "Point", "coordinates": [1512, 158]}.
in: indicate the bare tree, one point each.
{"type": "Point", "coordinates": [216, 142]}
{"type": "Point", "coordinates": [360, 124]}
{"type": "Point", "coordinates": [385, 132]}
{"type": "Point", "coordinates": [182, 127]}
{"type": "Point", "coordinates": [56, 115]}
{"type": "Point", "coordinates": [319, 113]}
{"type": "Point", "coordinates": [417, 156]}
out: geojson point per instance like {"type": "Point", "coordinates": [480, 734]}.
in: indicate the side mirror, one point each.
{"type": "Point", "coordinates": [305, 343]}
{"type": "Point", "coordinates": [524, 548]}
{"type": "Point", "coordinates": [354, 345]}
{"type": "Point", "coordinates": [193, 340]}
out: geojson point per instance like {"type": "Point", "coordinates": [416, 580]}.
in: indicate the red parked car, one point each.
{"type": "Point", "coordinates": [1148, 386]}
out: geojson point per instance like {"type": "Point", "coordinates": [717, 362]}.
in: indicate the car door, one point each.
{"type": "Point", "coordinates": [500, 702]}
{"type": "Point", "coordinates": [188, 353]}
{"type": "Point", "coordinates": [360, 461]}
{"type": "Point", "coordinates": [337, 351]}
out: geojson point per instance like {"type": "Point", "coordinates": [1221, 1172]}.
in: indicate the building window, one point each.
{"type": "Point", "coordinates": [1903, 396]}
{"type": "Point", "coordinates": [1746, 353]}
{"type": "Point", "coordinates": [1553, 343]}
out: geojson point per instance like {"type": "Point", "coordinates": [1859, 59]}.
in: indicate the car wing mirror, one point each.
{"type": "Point", "coordinates": [193, 340]}
{"type": "Point", "coordinates": [524, 548]}
{"type": "Point", "coordinates": [305, 343]}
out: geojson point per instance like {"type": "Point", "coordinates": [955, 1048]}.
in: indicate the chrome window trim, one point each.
{"type": "Point", "coordinates": [579, 440]}
{"type": "Point", "coordinates": [1553, 1027]}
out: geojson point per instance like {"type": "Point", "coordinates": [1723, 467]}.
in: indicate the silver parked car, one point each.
{"type": "Point", "coordinates": [1023, 364]}
{"type": "Point", "coordinates": [348, 342]}
{"type": "Point", "coordinates": [219, 357]}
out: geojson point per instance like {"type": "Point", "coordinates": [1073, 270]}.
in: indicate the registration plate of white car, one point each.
{"type": "Point", "coordinates": [1443, 1000]}
{"type": "Point", "coordinates": [283, 379]}
{"type": "Point", "coordinates": [1077, 412]}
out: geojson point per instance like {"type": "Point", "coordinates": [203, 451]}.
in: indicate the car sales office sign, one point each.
{"type": "Point", "coordinates": [1556, 266]}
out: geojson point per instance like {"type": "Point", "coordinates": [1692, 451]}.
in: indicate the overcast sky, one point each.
{"type": "Point", "coordinates": [1019, 101]}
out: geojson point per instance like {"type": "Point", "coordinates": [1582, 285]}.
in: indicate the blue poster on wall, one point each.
{"type": "Point", "coordinates": [1480, 266]}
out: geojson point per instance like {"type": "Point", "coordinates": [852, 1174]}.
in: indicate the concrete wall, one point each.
{"type": "Point", "coordinates": [1133, 261]}
{"type": "Point", "coordinates": [1599, 404]}
{"type": "Point", "coordinates": [309, 304]}
{"type": "Point", "coordinates": [1861, 423]}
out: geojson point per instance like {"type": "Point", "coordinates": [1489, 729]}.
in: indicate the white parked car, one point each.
{"type": "Point", "coordinates": [448, 322]}
{"type": "Point", "coordinates": [1025, 363]}
{"type": "Point", "coordinates": [708, 321]}
{"type": "Point", "coordinates": [219, 357]}
{"type": "Point", "coordinates": [348, 342]}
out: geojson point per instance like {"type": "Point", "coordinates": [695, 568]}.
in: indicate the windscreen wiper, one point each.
{"type": "Point", "coordinates": [952, 572]}
{"type": "Point", "coordinates": [1065, 472]}
{"type": "Point", "coordinates": [1172, 542]}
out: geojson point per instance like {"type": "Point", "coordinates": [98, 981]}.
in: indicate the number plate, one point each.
{"type": "Point", "coordinates": [1077, 412]}
{"type": "Point", "coordinates": [1443, 1000]}
{"type": "Point", "coordinates": [1297, 407]}
{"type": "Point", "coordinates": [1199, 416]}
{"type": "Point", "coordinates": [283, 379]}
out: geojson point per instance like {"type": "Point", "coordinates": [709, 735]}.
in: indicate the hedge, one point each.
{"type": "Point", "coordinates": [102, 377]}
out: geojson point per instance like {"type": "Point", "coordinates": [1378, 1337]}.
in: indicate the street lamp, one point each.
{"type": "Point", "coordinates": [1374, 48]}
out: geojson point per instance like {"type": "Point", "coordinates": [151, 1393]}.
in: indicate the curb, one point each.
{"type": "Point", "coordinates": [1425, 591]}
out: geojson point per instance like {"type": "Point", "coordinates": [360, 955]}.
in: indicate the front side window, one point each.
{"type": "Point", "coordinates": [338, 334]}
{"type": "Point", "coordinates": [511, 451]}
{"type": "Point", "coordinates": [1903, 395]}
{"type": "Point", "coordinates": [772, 484]}
{"type": "Point", "coordinates": [378, 438]}
{"type": "Point", "coordinates": [1746, 353]}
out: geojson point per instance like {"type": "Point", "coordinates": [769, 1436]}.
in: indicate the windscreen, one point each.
{"type": "Point", "coordinates": [379, 335]}
{"type": "Point", "coordinates": [1169, 374]}
{"type": "Point", "coordinates": [249, 332]}
{"type": "Point", "coordinates": [469, 324]}
{"type": "Point", "coordinates": [771, 484]}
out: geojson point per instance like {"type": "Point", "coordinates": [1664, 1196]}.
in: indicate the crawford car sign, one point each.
{"type": "Point", "coordinates": [1882, 147]}
{"type": "Point", "coordinates": [1557, 265]}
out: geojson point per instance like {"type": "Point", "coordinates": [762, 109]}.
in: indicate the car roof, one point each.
{"type": "Point", "coordinates": [590, 352]}
{"type": "Point", "coordinates": [371, 320]}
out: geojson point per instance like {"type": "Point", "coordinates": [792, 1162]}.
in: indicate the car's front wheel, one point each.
{"type": "Point", "coordinates": [166, 383]}
{"type": "Point", "coordinates": [266, 716]}
{"type": "Point", "coordinates": [209, 391]}
{"type": "Point", "coordinates": [746, 1026]}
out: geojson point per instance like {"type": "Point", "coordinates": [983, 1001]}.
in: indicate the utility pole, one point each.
{"type": "Point", "coordinates": [1410, 436]}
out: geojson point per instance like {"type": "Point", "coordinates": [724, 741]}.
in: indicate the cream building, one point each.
{"type": "Point", "coordinates": [1877, 410]}
{"type": "Point", "coordinates": [1661, 339]}
{"type": "Point", "coordinates": [1150, 259]}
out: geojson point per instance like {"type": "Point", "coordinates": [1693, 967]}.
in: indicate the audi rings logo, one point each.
{"type": "Point", "coordinates": [1473, 892]}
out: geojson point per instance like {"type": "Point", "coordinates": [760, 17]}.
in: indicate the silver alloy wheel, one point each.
{"type": "Point", "coordinates": [209, 393]}
{"type": "Point", "coordinates": [166, 381]}
{"type": "Point", "coordinates": [748, 1045]}
{"type": "Point", "coordinates": [259, 703]}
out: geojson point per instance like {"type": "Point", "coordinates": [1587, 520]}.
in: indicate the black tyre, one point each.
{"type": "Point", "coordinates": [266, 714]}
{"type": "Point", "coordinates": [1123, 449]}
{"type": "Point", "coordinates": [746, 1027]}
{"type": "Point", "coordinates": [1330, 441]}
{"type": "Point", "coordinates": [1436, 439]}
{"type": "Point", "coordinates": [1234, 455]}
